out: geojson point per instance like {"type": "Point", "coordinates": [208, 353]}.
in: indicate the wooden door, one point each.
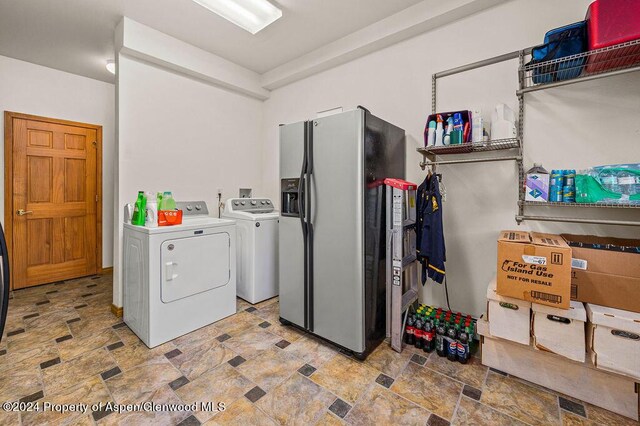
{"type": "Point", "coordinates": [54, 205]}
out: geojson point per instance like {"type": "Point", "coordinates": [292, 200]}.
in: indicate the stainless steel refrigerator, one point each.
{"type": "Point", "coordinates": [332, 225]}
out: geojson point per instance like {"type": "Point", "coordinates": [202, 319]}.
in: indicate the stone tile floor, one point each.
{"type": "Point", "coordinates": [62, 345]}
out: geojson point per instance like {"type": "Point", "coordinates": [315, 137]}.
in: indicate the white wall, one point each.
{"type": "Point", "coordinates": [38, 90]}
{"type": "Point", "coordinates": [572, 127]}
{"type": "Point", "coordinates": [184, 135]}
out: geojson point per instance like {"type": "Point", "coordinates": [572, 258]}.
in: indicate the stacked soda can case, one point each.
{"type": "Point", "coordinates": [449, 334]}
{"type": "Point", "coordinates": [562, 186]}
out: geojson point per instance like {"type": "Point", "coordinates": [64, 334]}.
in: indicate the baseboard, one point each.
{"type": "Point", "coordinates": [117, 311]}
{"type": "Point", "coordinates": [108, 270]}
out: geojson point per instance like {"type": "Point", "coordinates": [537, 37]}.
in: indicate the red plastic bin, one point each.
{"type": "Point", "coordinates": [612, 22]}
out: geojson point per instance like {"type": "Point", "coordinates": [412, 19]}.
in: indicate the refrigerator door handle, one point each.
{"type": "Point", "coordinates": [308, 215]}
{"type": "Point", "coordinates": [303, 223]}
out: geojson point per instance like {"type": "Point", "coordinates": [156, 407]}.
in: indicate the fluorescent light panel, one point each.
{"type": "Point", "coordinates": [252, 15]}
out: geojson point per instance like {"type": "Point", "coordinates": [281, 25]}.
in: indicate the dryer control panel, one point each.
{"type": "Point", "coordinates": [250, 205]}
{"type": "Point", "coordinates": [193, 208]}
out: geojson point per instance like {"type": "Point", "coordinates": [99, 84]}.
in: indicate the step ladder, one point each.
{"type": "Point", "coordinates": [402, 260]}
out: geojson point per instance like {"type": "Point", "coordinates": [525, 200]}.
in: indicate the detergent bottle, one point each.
{"type": "Point", "coordinates": [503, 123]}
{"type": "Point", "coordinates": [168, 203]}
{"type": "Point", "coordinates": [151, 211]}
{"type": "Point", "coordinates": [139, 209]}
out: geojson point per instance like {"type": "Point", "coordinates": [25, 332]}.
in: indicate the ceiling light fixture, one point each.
{"type": "Point", "coordinates": [252, 15]}
{"type": "Point", "coordinates": [111, 66]}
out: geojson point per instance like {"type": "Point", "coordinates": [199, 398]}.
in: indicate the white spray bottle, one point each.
{"type": "Point", "coordinates": [439, 132]}
{"type": "Point", "coordinates": [431, 133]}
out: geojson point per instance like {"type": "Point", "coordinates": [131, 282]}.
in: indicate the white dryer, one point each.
{"type": "Point", "coordinates": [257, 247]}
{"type": "Point", "coordinates": [179, 278]}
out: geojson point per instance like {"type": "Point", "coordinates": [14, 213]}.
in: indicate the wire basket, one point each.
{"type": "Point", "coordinates": [599, 61]}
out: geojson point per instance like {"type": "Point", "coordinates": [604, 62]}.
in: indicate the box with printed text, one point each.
{"type": "Point", "coordinates": [534, 267]}
{"type": "Point", "coordinates": [605, 271]}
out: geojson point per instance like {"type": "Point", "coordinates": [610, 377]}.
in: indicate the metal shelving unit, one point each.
{"type": "Point", "coordinates": [433, 152]}
{"type": "Point", "coordinates": [595, 64]}
{"type": "Point", "coordinates": [472, 152]}
{"type": "Point", "coordinates": [607, 62]}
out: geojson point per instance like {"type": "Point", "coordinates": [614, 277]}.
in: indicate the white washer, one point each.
{"type": "Point", "coordinates": [257, 247]}
{"type": "Point", "coordinates": [179, 278]}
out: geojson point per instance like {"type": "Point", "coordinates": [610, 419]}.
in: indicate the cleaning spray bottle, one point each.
{"type": "Point", "coordinates": [458, 129]}
{"type": "Point", "coordinates": [439, 132]}
{"type": "Point", "coordinates": [431, 133]}
{"type": "Point", "coordinates": [447, 134]}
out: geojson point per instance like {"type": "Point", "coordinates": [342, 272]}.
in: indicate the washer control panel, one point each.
{"type": "Point", "coordinates": [251, 205]}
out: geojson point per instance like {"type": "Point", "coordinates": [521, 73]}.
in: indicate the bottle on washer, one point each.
{"type": "Point", "coordinates": [151, 211]}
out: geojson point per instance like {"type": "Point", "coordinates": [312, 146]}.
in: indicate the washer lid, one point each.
{"type": "Point", "coordinates": [251, 216]}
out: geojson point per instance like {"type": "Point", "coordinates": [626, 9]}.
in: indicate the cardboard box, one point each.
{"type": "Point", "coordinates": [560, 331]}
{"type": "Point", "coordinates": [534, 267]}
{"type": "Point", "coordinates": [508, 318]}
{"type": "Point", "coordinates": [614, 339]}
{"type": "Point", "coordinates": [605, 277]}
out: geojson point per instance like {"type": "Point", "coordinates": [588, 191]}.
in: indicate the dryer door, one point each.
{"type": "Point", "coordinates": [194, 265]}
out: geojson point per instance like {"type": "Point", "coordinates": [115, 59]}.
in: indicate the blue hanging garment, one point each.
{"type": "Point", "coordinates": [429, 232]}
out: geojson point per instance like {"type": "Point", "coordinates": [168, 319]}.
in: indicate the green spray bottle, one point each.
{"type": "Point", "coordinates": [139, 209]}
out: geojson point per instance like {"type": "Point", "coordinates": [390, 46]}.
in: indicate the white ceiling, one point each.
{"type": "Point", "coordinates": [77, 35]}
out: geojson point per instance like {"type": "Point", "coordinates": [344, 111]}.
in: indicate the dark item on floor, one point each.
{"type": "Point", "coordinates": [4, 290]}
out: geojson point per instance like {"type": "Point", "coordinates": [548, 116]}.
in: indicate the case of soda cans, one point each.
{"type": "Point", "coordinates": [448, 333]}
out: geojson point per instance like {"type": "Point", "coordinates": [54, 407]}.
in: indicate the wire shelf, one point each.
{"type": "Point", "coordinates": [597, 205]}
{"type": "Point", "coordinates": [464, 148]}
{"type": "Point", "coordinates": [523, 218]}
{"type": "Point", "coordinates": [617, 59]}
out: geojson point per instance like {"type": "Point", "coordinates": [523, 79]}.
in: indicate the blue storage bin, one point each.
{"type": "Point", "coordinates": [560, 43]}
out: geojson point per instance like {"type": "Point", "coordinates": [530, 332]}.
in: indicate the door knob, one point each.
{"type": "Point", "coordinates": [23, 212]}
